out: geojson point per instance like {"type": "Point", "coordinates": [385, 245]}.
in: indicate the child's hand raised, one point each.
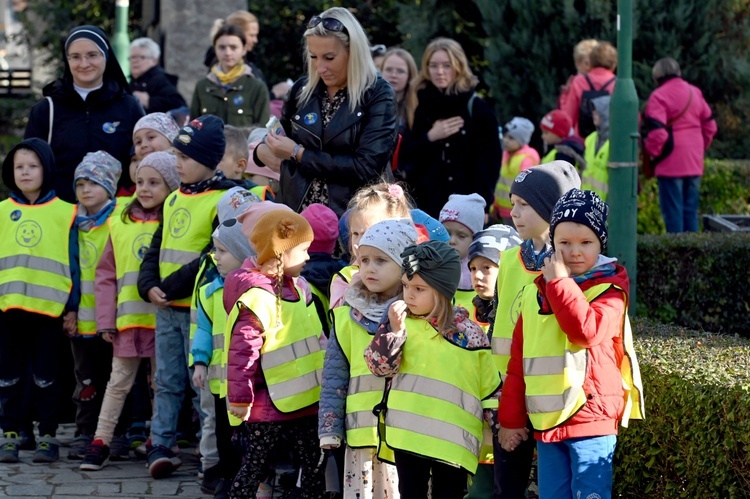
{"type": "Point", "coordinates": [397, 316]}
{"type": "Point", "coordinates": [554, 267]}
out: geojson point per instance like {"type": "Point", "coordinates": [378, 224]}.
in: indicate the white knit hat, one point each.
{"type": "Point", "coordinates": [391, 237]}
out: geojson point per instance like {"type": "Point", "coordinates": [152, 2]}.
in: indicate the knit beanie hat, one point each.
{"type": "Point", "coordinates": [466, 209]}
{"type": "Point", "coordinates": [435, 230]}
{"type": "Point", "coordinates": [234, 202]}
{"type": "Point", "coordinates": [583, 207]}
{"type": "Point", "coordinates": [278, 231]}
{"type": "Point", "coordinates": [325, 226]}
{"type": "Point", "coordinates": [249, 217]}
{"type": "Point", "coordinates": [391, 237]}
{"type": "Point", "coordinates": [435, 262]}
{"type": "Point", "coordinates": [492, 240]}
{"type": "Point", "coordinates": [158, 122]}
{"type": "Point", "coordinates": [519, 129]}
{"type": "Point", "coordinates": [541, 186]}
{"type": "Point", "coordinates": [557, 122]}
{"type": "Point", "coordinates": [203, 140]}
{"type": "Point", "coordinates": [166, 164]}
{"type": "Point", "coordinates": [229, 234]}
{"type": "Point", "coordinates": [99, 167]}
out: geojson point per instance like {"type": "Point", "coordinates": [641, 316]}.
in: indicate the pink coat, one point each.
{"type": "Point", "coordinates": [572, 101]}
{"type": "Point", "coordinates": [692, 133]}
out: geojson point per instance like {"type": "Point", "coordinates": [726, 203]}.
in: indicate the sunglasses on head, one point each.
{"type": "Point", "coordinates": [329, 23]}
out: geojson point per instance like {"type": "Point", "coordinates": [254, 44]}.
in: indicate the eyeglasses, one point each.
{"type": "Point", "coordinates": [133, 58]}
{"type": "Point", "coordinates": [92, 57]}
{"type": "Point", "coordinates": [329, 23]}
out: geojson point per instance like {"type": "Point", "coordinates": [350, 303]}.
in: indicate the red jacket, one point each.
{"type": "Point", "coordinates": [572, 102]}
{"type": "Point", "coordinates": [246, 383]}
{"type": "Point", "coordinates": [692, 132]}
{"type": "Point", "coordinates": [596, 326]}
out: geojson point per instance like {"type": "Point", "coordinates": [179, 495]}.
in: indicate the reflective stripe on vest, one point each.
{"type": "Point", "coordinates": [35, 257]}
{"type": "Point", "coordinates": [365, 389]}
{"type": "Point", "coordinates": [512, 276]}
{"type": "Point", "coordinates": [434, 406]}
{"type": "Point", "coordinates": [130, 242]}
{"type": "Point", "coordinates": [295, 383]}
{"type": "Point", "coordinates": [596, 176]}
{"type": "Point", "coordinates": [554, 369]}
{"type": "Point", "coordinates": [188, 224]}
{"type": "Point", "coordinates": [91, 244]}
{"type": "Point", "coordinates": [508, 172]}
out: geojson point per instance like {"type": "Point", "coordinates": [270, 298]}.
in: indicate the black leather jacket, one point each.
{"type": "Point", "coordinates": [354, 150]}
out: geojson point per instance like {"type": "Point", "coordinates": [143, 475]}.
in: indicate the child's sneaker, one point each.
{"type": "Point", "coordinates": [119, 449]}
{"type": "Point", "coordinates": [162, 462]}
{"type": "Point", "coordinates": [137, 435]}
{"type": "Point", "coordinates": [97, 456]}
{"type": "Point", "coordinates": [9, 446]}
{"type": "Point", "coordinates": [47, 450]}
{"type": "Point", "coordinates": [78, 446]}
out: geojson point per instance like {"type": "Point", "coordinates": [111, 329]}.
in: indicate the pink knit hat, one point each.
{"type": "Point", "coordinates": [250, 217]}
{"type": "Point", "coordinates": [325, 226]}
{"type": "Point", "coordinates": [256, 136]}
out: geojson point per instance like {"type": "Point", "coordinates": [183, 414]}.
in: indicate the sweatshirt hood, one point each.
{"type": "Point", "coordinates": [46, 156]}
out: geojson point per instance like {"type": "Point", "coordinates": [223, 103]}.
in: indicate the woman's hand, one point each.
{"type": "Point", "coordinates": [445, 128]}
{"type": "Point", "coordinates": [555, 267]}
{"type": "Point", "coordinates": [280, 146]}
{"type": "Point", "coordinates": [397, 317]}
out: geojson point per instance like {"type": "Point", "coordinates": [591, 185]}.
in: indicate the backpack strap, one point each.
{"type": "Point", "coordinates": [588, 80]}
{"type": "Point", "coordinates": [684, 110]}
{"type": "Point", "coordinates": [612, 80]}
{"type": "Point", "coordinates": [52, 119]}
{"type": "Point", "coordinates": [470, 104]}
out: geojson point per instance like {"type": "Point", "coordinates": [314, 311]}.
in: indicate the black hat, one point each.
{"type": "Point", "coordinates": [583, 207]}
{"type": "Point", "coordinates": [541, 186]}
{"type": "Point", "coordinates": [202, 140]}
{"type": "Point", "coordinates": [435, 262]}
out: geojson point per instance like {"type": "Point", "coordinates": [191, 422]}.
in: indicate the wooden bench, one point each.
{"type": "Point", "coordinates": [15, 82]}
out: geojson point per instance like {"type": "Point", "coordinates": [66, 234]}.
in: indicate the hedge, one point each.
{"type": "Point", "coordinates": [698, 280]}
{"type": "Point", "coordinates": [695, 440]}
{"type": "Point", "coordinates": [725, 189]}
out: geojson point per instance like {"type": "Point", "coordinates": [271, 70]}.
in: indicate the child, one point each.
{"type": "Point", "coordinates": [517, 156]}
{"type": "Point", "coordinates": [440, 370]}
{"type": "Point", "coordinates": [122, 318]}
{"type": "Point", "coordinates": [349, 390]}
{"type": "Point", "coordinates": [559, 141]}
{"type": "Point", "coordinates": [274, 362]}
{"type": "Point", "coordinates": [235, 158]}
{"type": "Point", "coordinates": [231, 248]}
{"type": "Point", "coordinates": [168, 273]}
{"type": "Point", "coordinates": [95, 184]}
{"type": "Point", "coordinates": [463, 216]}
{"type": "Point", "coordinates": [581, 53]}
{"type": "Point", "coordinates": [533, 194]}
{"type": "Point", "coordinates": [266, 178]}
{"type": "Point", "coordinates": [368, 206]}
{"type": "Point", "coordinates": [596, 175]}
{"type": "Point", "coordinates": [322, 266]}
{"type": "Point", "coordinates": [154, 132]}
{"type": "Point", "coordinates": [39, 294]}
{"type": "Point", "coordinates": [580, 358]}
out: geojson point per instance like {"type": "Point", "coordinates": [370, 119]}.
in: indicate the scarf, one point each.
{"type": "Point", "coordinates": [531, 260]}
{"type": "Point", "coordinates": [87, 222]}
{"type": "Point", "coordinates": [374, 306]}
{"type": "Point", "coordinates": [203, 185]}
{"type": "Point", "coordinates": [231, 75]}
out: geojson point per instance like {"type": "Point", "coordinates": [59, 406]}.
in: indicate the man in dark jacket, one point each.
{"type": "Point", "coordinates": [149, 83]}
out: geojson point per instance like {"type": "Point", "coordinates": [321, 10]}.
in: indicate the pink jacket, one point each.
{"type": "Point", "coordinates": [246, 383]}
{"type": "Point", "coordinates": [572, 101]}
{"type": "Point", "coordinates": [692, 132]}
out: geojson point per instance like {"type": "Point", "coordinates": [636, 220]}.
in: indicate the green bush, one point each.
{"type": "Point", "coordinates": [698, 280]}
{"type": "Point", "coordinates": [695, 440]}
{"type": "Point", "coordinates": [725, 189]}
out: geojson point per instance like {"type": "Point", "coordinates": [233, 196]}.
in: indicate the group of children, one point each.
{"type": "Point", "coordinates": [390, 364]}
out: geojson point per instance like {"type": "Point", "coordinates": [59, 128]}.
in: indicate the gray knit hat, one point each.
{"type": "Point", "coordinates": [391, 237]}
{"type": "Point", "coordinates": [101, 168]}
{"type": "Point", "coordinates": [229, 234]}
{"type": "Point", "coordinates": [541, 186]}
{"type": "Point", "coordinates": [466, 209]}
{"type": "Point", "coordinates": [234, 202]}
{"type": "Point", "coordinates": [166, 164]}
{"type": "Point", "coordinates": [492, 240]}
{"type": "Point", "coordinates": [519, 129]}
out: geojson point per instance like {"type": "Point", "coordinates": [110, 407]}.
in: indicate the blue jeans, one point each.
{"type": "Point", "coordinates": [577, 467]}
{"type": "Point", "coordinates": [172, 377]}
{"type": "Point", "coordinates": [678, 198]}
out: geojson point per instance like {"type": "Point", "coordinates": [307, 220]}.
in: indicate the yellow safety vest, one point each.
{"type": "Point", "coordinates": [188, 224]}
{"type": "Point", "coordinates": [205, 265]}
{"type": "Point", "coordinates": [263, 192]}
{"type": "Point", "coordinates": [596, 176]}
{"type": "Point", "coordinates": [512, 276]}
{"type": "Point", "coordinates": [34, 256]}
{"type": "Point", "coordinates": [554, 369]}
{"type": "Point", "coordinates": [434, 403]}
{"type": "Point", "coordinates": [508, 172]}
{"type": "Point", "coordinates": [463, 298]}
{"type": "Point", "coordinates": [130, 242]}
{"type": "Point", "coordinates": [550, 156]}
{"type": "Point", "coordinates": [291, 357]}
{"type": "Point", "coordinates": [90, 248]}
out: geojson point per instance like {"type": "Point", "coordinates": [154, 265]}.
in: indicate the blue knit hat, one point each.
{"type": "Point", "coordinates": [203, 140]}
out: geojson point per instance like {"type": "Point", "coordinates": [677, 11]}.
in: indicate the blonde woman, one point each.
{"type": "Point", "coordinates": [453, 147]}
{"type": "Point", "coordinates": [339, 121]}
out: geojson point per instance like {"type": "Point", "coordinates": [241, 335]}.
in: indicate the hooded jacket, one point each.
{"type": "Point", "coordinates": [104, 121]}
{"type": "Point", "coordinates": [47, 194]}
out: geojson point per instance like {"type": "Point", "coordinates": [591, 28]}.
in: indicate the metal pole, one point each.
{"type": "Point", "coordinates": [623, 166]}
{"type": "Point", "coordinates": [120, 39]}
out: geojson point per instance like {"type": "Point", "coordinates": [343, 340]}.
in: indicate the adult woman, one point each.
{"type": "Point", "coordinates": [90, 108]}
{"type": "Point", "coordinates": [149, 83]}
{"type": "Point", "coordinates": [339, 120]}
{"type": "Point", "coordinates": [249, 25]}
{"type": "Point", "coordinates": [399, 69]}
{"type": "Point", "coordinates": [230, 91]}
{"type": "Point", "coordinates": [678, 110]}
{"type": "Point", "coordinates": [454, 146]}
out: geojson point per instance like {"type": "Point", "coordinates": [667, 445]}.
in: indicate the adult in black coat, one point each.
{"type": "Point", "coordinates": [339, 121]}
{"type": "Point", "coordinates": [150, 84]}
{"type": "Point", "coordinates": [90, 108]}
{"type": "Point", "coordinates": [454, 146]}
